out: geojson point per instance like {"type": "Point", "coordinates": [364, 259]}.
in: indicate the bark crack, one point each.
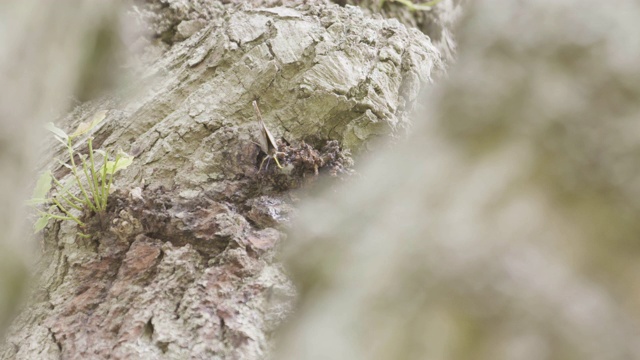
{"type": "Point", "coordinates": [55, 339]}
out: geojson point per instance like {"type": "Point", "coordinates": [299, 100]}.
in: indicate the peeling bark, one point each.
{"type": "Point", "coordinates": [182, 265]}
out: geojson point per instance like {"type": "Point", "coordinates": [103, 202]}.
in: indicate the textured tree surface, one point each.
{"type": "Point", "coordinates": [437, 23]}
{"type": "Point", "coordinates": [182, 265]}
{"type": "Point", "coordinates": [507, 226]}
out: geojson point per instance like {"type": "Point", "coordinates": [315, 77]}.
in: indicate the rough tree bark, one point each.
{"type": "Point", "coordinates": [182, 263]}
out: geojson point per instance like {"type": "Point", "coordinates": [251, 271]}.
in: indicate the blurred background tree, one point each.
{"type": "Point", "coordinates": [506, 227]}
{"type": "Point", "coordinates": [53, 55]}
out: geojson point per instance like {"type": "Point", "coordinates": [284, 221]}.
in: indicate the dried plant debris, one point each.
{"type": "Point", "coordinates": [225, 215]}
{"type": "Point", "coordinates": [217, 218]}
{"type": "Point", "coordinates": [303, 164]}
{"type": "Point", "coordinates": [208, 226]}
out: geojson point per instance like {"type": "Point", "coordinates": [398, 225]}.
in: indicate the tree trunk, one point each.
{"type": "Point", "coordinates": [181, 264]}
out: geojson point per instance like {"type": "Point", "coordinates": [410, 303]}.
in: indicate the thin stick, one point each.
{"type": "Point", "coordinates": [75, 175]}
{"type": "Point", "coordinates": [98, 199]}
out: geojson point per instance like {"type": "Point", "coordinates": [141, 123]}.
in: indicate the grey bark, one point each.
{"type": "Point", "coordinates": [182, 263]}
{"type": "Point", "coordinates": [507, 226]}
{"type": "Point", "coordinates": [437, 23]}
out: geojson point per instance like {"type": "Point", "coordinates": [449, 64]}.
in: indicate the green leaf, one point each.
{"type": "Point", "coordinates": [85, 127]}
{"type": "Point", "coordinates": [62, 141]}
{"type": "Point", "coordinates": [57, 131]}
{"type": "Point", "coordinates": [43, 185]}
{"type": "Point", "coordinates": [123, 162]}
{"type": "Point", "coordinates": [41, 223]}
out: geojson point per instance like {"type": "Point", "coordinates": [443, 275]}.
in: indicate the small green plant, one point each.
{"type": "Point", "coordinates": [414, 7]}
{"type": "Point", "coordinates": [93, 182]}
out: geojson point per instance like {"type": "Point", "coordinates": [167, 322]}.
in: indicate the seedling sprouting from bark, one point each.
{"type": "Point", "coordinates": [93, 182]}
{"type": "Point", "coordinates": [266, 141]}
